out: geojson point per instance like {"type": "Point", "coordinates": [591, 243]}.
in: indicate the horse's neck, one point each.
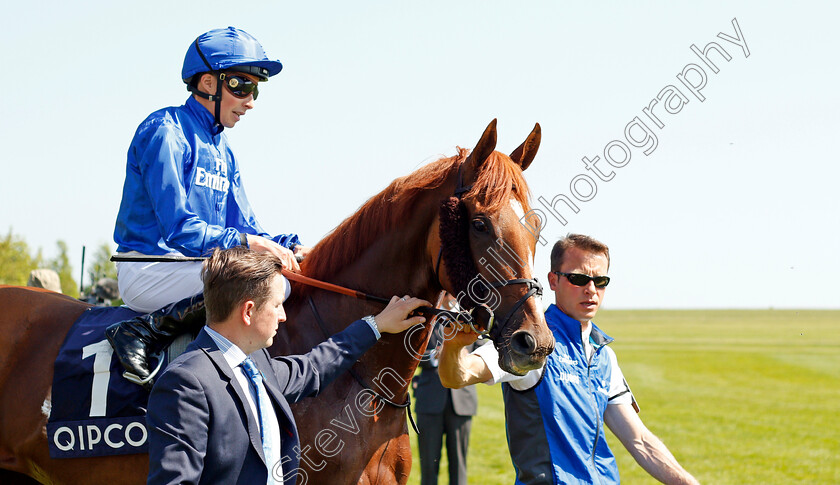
{"type": "Point", "coordinates": [386, 368]}
{"type": "Point", "coordinates": [396, 264]}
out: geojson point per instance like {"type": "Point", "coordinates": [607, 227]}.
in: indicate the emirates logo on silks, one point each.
{"type": "Point", "coordinates": [216, 180]}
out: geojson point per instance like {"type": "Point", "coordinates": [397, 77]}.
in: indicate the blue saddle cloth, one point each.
{"type": "Point", "coordinates": [95, 411]}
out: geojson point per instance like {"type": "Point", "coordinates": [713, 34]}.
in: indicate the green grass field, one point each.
{"type": "Point", "coordinates": [739, 397]}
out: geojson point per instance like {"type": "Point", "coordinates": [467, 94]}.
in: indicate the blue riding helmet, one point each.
{"type": "Point", "coordinates": [230, 48]}
{"type": "Point", "coordinates": [225, 49]}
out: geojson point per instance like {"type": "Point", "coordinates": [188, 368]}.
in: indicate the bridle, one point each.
{"type": "Point", "coordinates": [534, 288]}
{"type": "Point", "coordinates": [466, 315]}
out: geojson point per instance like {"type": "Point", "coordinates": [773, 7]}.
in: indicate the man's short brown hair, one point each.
{"type": "Point", "coordinates": [584, 243]}
{"type": "Point", "coordinates": [233, 276]}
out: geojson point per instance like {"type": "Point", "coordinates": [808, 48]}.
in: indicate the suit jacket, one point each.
{"type": "Point", "coordinates": [429, 393]}
{"type": "Point", "coordinates": [201, 428]}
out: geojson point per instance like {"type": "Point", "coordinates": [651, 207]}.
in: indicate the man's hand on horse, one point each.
{"type": "Point", "coordinates": [301, 252]}
{"type": "Point", "coordinates": [263, 245]}
{"type": "Point", "coordinates": [396, 318]}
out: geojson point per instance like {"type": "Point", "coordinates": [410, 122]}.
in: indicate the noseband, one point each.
{"type": "Point", "coordinates": [456, 254]}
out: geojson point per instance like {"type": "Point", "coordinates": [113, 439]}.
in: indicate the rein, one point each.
{"type": "Point", "coordinates": [305, 280]}
{"type": "Point", "coordinates": [292, 276]}
{"type": "Point", "coordinates": [324, 286]}
{"type": "Point", "coordinates": [405, 405]}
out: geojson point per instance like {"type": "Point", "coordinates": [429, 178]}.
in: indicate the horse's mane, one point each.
{"type": "Point", "coordinates": [499, 180]}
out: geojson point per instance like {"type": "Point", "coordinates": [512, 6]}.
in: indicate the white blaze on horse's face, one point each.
{"type": "Point", "coordinates": [520, 214]}
{"type": "Point", "coordinates": [517, 208]}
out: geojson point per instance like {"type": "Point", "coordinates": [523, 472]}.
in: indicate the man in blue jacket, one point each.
{"type": "Point", "coordinates": [183, 196]}
{"type": "Point", "coordinates": [555, 416]}
{"type": "Point", "coordinates": [220, 412]}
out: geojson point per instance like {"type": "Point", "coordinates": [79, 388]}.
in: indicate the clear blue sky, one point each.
{"type": "Point", "coordinates": [736, 207]}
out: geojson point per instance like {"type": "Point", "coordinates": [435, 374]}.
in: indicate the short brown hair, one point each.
{"type": "Point", "coordinates": [584, 243]}
{"type": "Point", "coordinates": [232, 276]}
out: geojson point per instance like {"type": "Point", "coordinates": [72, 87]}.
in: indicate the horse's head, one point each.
{"type": "Point", "coordinates": [485, 253]}
{"type": "Point", "coordinates": [452, 224]}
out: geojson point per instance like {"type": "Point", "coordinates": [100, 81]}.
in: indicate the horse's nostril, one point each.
{"type": "Point", "coordinates": [523, 342]}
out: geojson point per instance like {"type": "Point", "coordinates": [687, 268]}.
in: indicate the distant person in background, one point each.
{"type": "Point", "coordinates": [441, 411]}
{"type": "Point", "coordinates": [183, 196]}
{"type": "Point", "coordinates": [555, 416]}
{"type": "Point", "coordinates": [104, 292]}
{"type": "Point", "coordinates": [44, 278]}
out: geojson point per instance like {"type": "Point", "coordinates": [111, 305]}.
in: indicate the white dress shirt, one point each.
{"type": "Point", "coordinates": [234, 356]}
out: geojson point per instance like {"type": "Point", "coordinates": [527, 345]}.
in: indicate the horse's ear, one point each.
{"type": "Point", "coordinates": [483, 148]}
{"type": "Point", "coordinates": [526, 152]}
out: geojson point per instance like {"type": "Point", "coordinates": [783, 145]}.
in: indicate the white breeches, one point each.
{"type": "Point", "coordinates": [146, 287]}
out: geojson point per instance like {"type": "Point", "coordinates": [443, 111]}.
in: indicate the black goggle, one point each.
{"type": "Point", "coordinates": [578, 279]}
{"type": "Point", "coordinates": [240, 86]}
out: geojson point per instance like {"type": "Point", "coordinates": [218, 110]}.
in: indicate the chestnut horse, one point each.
{"type": "Point", "coordinates": [399, 242]}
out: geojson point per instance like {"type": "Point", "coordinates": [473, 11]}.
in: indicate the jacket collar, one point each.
{"type": "Point", "coordinates": [204, 117]}
{"type": "Point", "coordinates": [204, 342]}
{"type": "Point", "coordinates": [570, 327]}
{"type": "Point", "coordinates": [208, 345]}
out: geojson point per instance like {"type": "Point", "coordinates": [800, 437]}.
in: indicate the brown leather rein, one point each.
{"type": "Point", "coordinates": [291, 275]}
{"type": "Point", "coordinates": [296, 277]}
{"type": "Point", "coordinates": [305, 280]}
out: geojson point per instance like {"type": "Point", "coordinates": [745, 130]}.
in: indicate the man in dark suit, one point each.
{"type": "Point", "coordinates": [220, 412]}
{"type": "Point", "coordinates": [441, 411]}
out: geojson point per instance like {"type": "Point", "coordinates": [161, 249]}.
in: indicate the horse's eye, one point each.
{"type": "Point", "coordinates": [479, 225]}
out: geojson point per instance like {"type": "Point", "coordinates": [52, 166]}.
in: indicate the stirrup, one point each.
{"type": "Point", "coordinates": [147, 382]}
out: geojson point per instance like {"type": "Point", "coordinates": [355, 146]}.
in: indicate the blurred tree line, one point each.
{"type": "Point", "coordinates": [17, 261]}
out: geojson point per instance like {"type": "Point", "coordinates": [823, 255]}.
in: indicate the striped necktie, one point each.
{"type": "Point", "coordinates": [263, 408]}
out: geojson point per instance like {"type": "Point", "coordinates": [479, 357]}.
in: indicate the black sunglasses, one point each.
{"type": "Point", "coordinates": [578, 279]}
{"type": "Point", "coordinates": [240, 86]}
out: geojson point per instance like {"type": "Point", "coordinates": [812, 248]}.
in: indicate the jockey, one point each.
{"type": "Point", "coordinates": [183, 196]}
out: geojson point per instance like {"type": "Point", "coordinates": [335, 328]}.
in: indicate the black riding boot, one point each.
{"type": "Point", "coordinates": [135, 340]}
